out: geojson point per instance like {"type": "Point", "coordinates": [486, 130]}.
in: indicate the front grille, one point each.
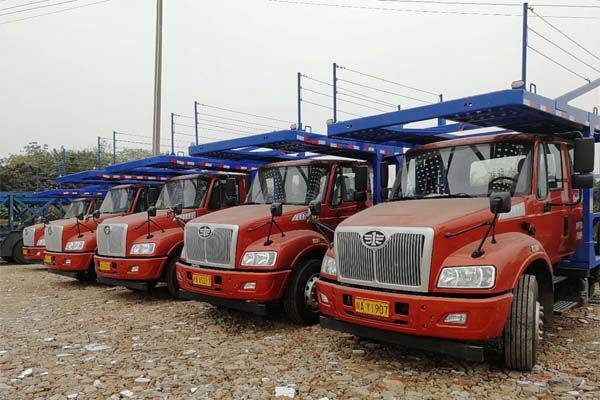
{"type": "Point", "coordinates": [53, 235]}
{"type": "Point", "coordinates": [211, 245]}
{"type": "Point", "coordinates": [29, 236]}
{"type": "Point", "coordinates": [112, 239]}
{"type": "Point", "coordinates": [402, 261]}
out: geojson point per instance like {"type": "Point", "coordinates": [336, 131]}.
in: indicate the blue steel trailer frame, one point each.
{"type": "Point", "coordinates": [302, 142]}
{"type": "Point", "coordinates": [516, 110]}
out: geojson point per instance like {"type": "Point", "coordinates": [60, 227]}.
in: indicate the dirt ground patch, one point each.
{"type": "Point", "coordinates": [61, 339]}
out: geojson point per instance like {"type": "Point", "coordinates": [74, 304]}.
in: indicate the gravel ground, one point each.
{"type": "Point", "coordinates": [60, 339]}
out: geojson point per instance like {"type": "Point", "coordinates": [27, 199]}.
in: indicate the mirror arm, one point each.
{"type": "Point", "coordinates": [548, 206]}
{"type": "Point", "coordinates": [452, 234]}
{"type": "Point", "coordinates": [492, 227]}
{"type": "Point", "coordinates": [273, 222]}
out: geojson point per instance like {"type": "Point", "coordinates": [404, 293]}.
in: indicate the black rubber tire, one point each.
{"type": "Point", "coordinates": [89, 275]}
{"type": "Point", "coordinates": [171, 277]}
{"type": "Point", "coordinates": [151, 285]}
{"type": "Point", "coordinates": [17, 254]}
{"type": "Point", "coordinates": [294, 302]}
{"type": "Point", "coordinates": [9, 260]}
{"type": "Point", "coordinates": [520, 332]}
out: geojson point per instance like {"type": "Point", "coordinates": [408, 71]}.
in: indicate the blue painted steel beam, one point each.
{"type": "Point", "coordinates": [516, 110]}
{"type": "Point", "coordinates": [179, 163]}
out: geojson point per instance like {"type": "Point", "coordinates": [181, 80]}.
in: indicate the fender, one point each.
{"type": "Point", "coordinates": [165, 241]}
{"type": "Point", "coordinates": [512, 253]}
{"type": "Point", "coordinates": [292, 247]}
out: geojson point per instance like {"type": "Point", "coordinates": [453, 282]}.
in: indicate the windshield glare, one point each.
{"type": "Point", "coordinates": [76, 207]}
{"type": "Point", "coordinates": [118, 201]}
{"type": "Point", "coordinates": [471, 171]}
{"type": "Point", "coordinates": [190, 193]}
{"type": "Point", "coordinates": [289, 185]}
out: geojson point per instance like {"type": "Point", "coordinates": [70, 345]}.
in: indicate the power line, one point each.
{"type": "Point", "coordinates": [467, 3]}
{"type": "Point", "coordinates": [228, 128]}
{"type": "Point", "coordinates": [240, 120]}
{"type": "Point", "coordinates": [384, 91]}
{"type": "Point", "coordinates": [565, 35]}
{"type": "Point", "coordinates": [406, 10]}
{"type": "Point", "coordinates": [53, 12]}
{"type": "Point", "coordinates": [330, 108]}
{"type": "Point", "coordinates": [381, 103]}
{"type": "Point", "coordinates": [316, 80]}
{"type": "Point", "coordinates": [387, 81]}
{"type": "Point", "coordinates": [227, 123]}
{"type": "Point", "coordinates": [244, 113]}
{"type": "Point", "coordinates": [187, 126]}
{"type": "Point", "coordinates": [317, 92]}
{"type": "Point", "coordinates": [557, 63]}
{"type": "Point", "coordinates": [362, 105]}
{"type": "Point", "coordinates": [566, 51]}
{"type": "Point", "coordinates": [38, 7]}
{"type": "Point", "coordinates": [24, 5]}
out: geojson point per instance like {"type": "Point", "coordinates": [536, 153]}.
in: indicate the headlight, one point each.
{"type": "Point", "coordinates": [75, 245]}
{"type": "Point", "coordinates": [41, 242]}
{"type": "Point", "coordinates": [479, 277]}
{"type": "Point", "coordinates": [259, 258]}
{"type": "Point", "coordinates": [329, 266]}
{"type": "Point", "coordinates": [143, 248]}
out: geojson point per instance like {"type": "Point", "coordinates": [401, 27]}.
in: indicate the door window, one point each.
{"type": "Point", "coordinates": [344, 187]}
{"type": "Point", "coordinates": [542, 174]}
{"type": "Point", "coordinates": [555, 166]}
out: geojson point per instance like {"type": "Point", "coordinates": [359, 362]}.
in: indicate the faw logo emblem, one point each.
{"type": "Point", "coordinates": [107, 230]}
{"type": "Point", "coordinates": [373, 238]}
{"type": "Point", "coordinates": [204, 232]}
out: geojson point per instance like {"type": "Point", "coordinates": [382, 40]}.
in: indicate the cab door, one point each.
{"type": "Point", "coordinates": [341, 204]}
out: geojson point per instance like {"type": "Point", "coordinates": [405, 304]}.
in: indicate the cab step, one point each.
{"type": "Point", "coordinates": [564, 306]}
{"type": "Point", "coordinates": [558, 279]}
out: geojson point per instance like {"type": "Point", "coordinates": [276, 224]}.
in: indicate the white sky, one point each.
{"type": "Point", "coordinates": [71, 77]}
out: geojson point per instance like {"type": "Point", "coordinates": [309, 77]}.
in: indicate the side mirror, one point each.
{"type": "Point", "coordinates": [178, 209]}
{"type": "Point", "coordinates": [361, 176]}
{"type": "Point", "coordinates": [385, 174]}
{"type": "Point", "coordinates": [80, 217]}
{"type": "Point", "coordinates": [583, 155]}
{"type": "Point", "coordinates": [500, 202]}
{"type": "Point", "coordinates": [583, 181]}
{"type": "Point", "coordinates": [96, 214]}
{"type": "Point", "coordinates": [315, 207]}
{"type": "Point", "coordinates": [276, 210]}
{"type": "Point", "coordinates": [151, 211]}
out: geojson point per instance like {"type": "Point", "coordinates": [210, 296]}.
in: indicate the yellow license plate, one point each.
{"type": "Point", "coordinates": [371, 307]}
{"type": "Point", "coordinates": [47, 259]}
{"type": "Point", "coordinates": [201, 280]}
{"type": "Point", "coordinates": [104, 266]}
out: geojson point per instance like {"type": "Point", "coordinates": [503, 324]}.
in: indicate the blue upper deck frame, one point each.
{"type": "Point", "coordinates": [301, 142]}
{"type": "Point", "coordinates": [89, 192]}
{"type": "Point", "coordinates": [516, 110]}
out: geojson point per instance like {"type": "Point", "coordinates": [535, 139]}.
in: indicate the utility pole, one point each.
{"type": "Point", "coordinates": [157, 78]}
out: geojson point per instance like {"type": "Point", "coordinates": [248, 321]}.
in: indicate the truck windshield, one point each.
{"type": "Point", "coordinates": [474, 170]}
{"type": "Point", "coordinates": [76, 207]}
{"type": "Point", "coordinates": [118, 201]}
{"type": "Point", "coordinates": [190, 193]}
{"type": "Point", "coordinates": [294, 184]}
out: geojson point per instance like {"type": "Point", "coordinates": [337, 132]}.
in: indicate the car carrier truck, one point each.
{"type": "Point", "coordinates": [483, 237]}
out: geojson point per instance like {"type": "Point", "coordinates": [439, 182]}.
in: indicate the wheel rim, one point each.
{"type": "Point", "coordinates": [310, 293]}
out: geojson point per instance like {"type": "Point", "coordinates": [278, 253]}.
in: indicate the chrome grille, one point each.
{"type": "Point", "coordinates": [112, 239]}
{"type": "Point", "coordinates": [53, 235]}
{"type": "Point", "coordinates": [211, 245]}
{"type": "Point", "coordinates": [401, 262]}
{"type": "Point", "coordinates": [29, 236]}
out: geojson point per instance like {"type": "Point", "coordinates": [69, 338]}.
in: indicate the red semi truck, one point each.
{"type": "Point", "coordinates": [34, 243]}
{"type": "Point", "coordinates": [139, 250]}
{"type": "Point", "coordinates": [71, 243]}
{"type": "Point", "coordinates": [470, 248]}
{"type": "Point", "coordinates": [269, 250]}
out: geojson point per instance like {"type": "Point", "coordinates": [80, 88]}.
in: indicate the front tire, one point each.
{"type": "Point", "coordinates": [18, 253]}
{"type": "Point", "coordinates": [300, 302]}
{"type": "Point", "coordinates": [87, 276]}
{"type": "Point", "coordinates": [171, 277]}
{"type": "Point", "coordinates": [9, 260]}
{"type": "Point", "coordinates": [523, 326]}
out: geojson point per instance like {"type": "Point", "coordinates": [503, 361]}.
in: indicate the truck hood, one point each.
{"type": "Point", "coordinates": [430, 213]}
{"type": "Point", "coordinates": [247, 214]}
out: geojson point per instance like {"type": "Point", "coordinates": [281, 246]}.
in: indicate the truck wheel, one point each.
{"type": "Point", "coordinates": [18, 253]}
{"type": "Point", "coordinates": [523, 327]}
{"type": "Point", "coordinates": [171, 277]}
{"type": "Point", "coordinates": [299, 301]}
{"type": "Point", "coordinates": [9, 260]}
{"type": "Point", "coordinates": [87, 276]}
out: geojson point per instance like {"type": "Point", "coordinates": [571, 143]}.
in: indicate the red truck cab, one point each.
{"type": "Point", "coordinates": [34, 243]}
{"type": "Point", "coordinates": [467, 250]}
{"type": "Point", "coordinates": [139, 250]}
{"type": "Point", "coordinates": [269, 250]}
{"type": "Point", "coordinates": [71, 243]}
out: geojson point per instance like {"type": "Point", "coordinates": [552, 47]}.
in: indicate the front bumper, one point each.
{"type": "Point", "coordinates": [148, 269]}
{"type": "Point", "coordinates": [228, 284]}
{"type": "Point", "coordinates": [68, 261]}
{"type": "Point", "coordinates": [34, 253]}
{"type": "Point", "coordinates": [418, 315]}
